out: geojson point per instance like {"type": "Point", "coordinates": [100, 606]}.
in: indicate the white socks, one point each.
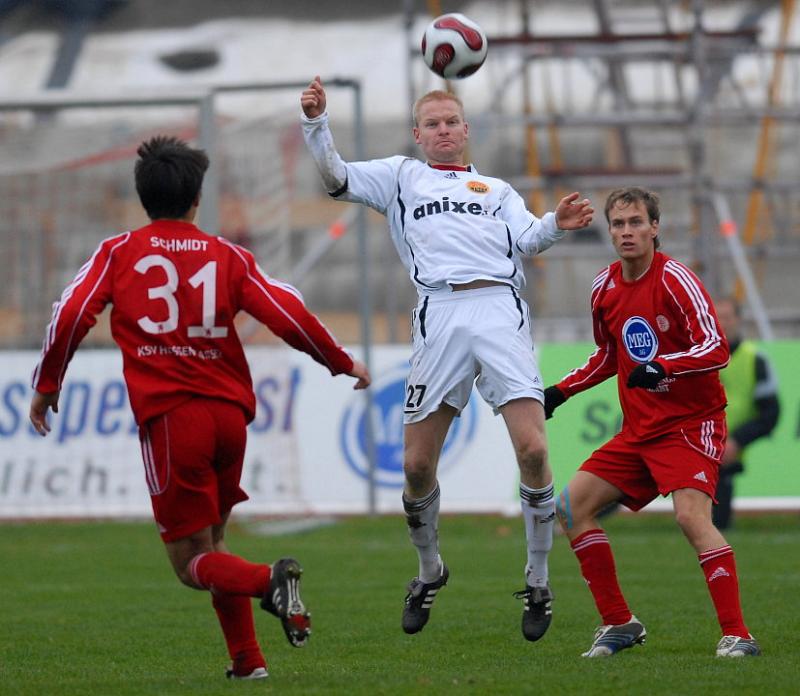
{"type": "Point", "coordinates": [539, 513]}
{"type": "Point", "coordinates": [422, 518]}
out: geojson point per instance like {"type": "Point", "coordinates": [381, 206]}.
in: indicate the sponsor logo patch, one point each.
{"type": "Point", "coordinates": [477, 187]}
{"type": "Point", "coordinates": [662, 322]}
{"type": "Point", "coordinates": [639, 339]}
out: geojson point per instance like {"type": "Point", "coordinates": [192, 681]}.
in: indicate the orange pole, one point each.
{"type": "Point", "coordinates": [765, 145]}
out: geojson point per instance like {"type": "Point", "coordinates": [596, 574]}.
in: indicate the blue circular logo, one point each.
{"type": "Point", "coordinates": [640, 340]}
{"type": "Point", "coordinates": [388, 397]}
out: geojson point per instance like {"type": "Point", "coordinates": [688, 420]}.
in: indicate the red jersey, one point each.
{"type": "Point", "coordinates": [175, 291]}
{"type": "Point", "coordinates": [666, 315]}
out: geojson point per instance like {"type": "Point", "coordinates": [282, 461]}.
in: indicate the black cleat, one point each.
{"type": "Point", "coordinates": [282, 599]}
{"type": "Point", "coordinates": [538, 612]}
{"type": "Point", "coordinates": [419, 601]}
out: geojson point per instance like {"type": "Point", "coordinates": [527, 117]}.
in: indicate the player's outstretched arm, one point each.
{"type": "Point", "coordinates": [572, 214]}
{"type": "Point", "coordinates": [40, 405]}
{"type": "Point", "coordinates": [361, 373]}
{"type": "Point", "coordinates": [313, 100]}
{"type": "Point", "coordinates": [319, 139]}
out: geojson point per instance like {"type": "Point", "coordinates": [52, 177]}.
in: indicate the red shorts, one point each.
{"type": "Point", "coordinates": [686, 458]}
{"type": "Point", "coordinates": [193, 458]}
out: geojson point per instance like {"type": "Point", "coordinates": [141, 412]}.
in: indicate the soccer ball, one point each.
{"type": "Point", "coordinates": [454, 46]}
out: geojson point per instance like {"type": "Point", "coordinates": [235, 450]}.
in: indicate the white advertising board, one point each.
{"type": "Point", "coordinates": [306, 451]}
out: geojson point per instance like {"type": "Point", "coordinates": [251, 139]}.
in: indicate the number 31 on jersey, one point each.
{"type": "Point", "coordinates": [206, 276]}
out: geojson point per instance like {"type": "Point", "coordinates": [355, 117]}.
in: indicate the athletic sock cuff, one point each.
{"type": "Point", "coordinates": [536, 496]}
{"type": "Point", "coordinates": [193, 570]}
{"type": "Point", "coordinates": [714, 554]}
{"type": "Point", "coordinates": [593, 536]}
{"type": "Point", "coordinates": [420, 504]}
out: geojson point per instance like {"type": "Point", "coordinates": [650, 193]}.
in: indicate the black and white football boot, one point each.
{"type": "Point", "coordinates": [282, 599]}
{"type": "Point", "coordinates": [419, 601]}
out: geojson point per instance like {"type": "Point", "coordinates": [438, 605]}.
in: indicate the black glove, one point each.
{"type": "Point", "coordinates": [553, 398]}
{"type": "Point", "coordinates": [646, 376]}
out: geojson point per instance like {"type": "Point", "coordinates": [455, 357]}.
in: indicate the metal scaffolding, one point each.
{"type": "Point", "coordinates": [679, 136]}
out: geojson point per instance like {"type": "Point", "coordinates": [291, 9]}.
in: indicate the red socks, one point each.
{"type": "Point", "coordinates": [232, 582]}
{"type": "Point", "coordinates": [224, 573]}
{"type": "Point", "coordinates": [598, 569]}
{"type": "Point", "coordinates": [719, 567]}
{"type": "Point", "coordinates": [235, 614]}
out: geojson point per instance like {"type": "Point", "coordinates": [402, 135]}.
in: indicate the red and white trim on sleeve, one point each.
{"type": "Point", "coordinates": [699, 322]}
{"type": "Point", "coordinates": [267, 286]}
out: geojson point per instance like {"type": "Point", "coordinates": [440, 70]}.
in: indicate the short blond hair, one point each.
{"type": "Point", "coordinates": [435, 95]}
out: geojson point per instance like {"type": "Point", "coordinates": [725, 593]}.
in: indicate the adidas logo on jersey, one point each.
{"type": "Point", "coordinates": [701, 476]}
{"type": "Point", "coordinates": [447, 206]}
{"type": "Point", "coordinates": [451, 175]}
{"type": "Point", "coordinates": [611, 285]}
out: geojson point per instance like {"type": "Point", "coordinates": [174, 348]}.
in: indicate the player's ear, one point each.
{"type": "Point", "coordinates": [466, 129]}
{"type": "Point", "coordinates": [415, 132]}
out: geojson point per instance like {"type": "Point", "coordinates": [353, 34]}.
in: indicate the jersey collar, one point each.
{"type": "Point", "coordinates": [451, 167]}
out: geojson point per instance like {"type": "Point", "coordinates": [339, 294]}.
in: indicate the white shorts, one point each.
{"type": "Point", "coordinates": [468, 337]}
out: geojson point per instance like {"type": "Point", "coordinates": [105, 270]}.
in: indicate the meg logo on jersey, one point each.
{"type": "Point", "coordinates": [640, 340]}
{"type": "Point", "coordinates": [388, 397]}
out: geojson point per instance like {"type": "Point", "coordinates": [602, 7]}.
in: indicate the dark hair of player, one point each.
{"type": "Point", "coordinates": [634, 194]}
{"type": "Point", "coordinates": [169, 176]}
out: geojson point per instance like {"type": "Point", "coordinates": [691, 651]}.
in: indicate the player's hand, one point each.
{"type": "Point", "coordinates": [572, 214]}
{"type": "Point", "coordinates": [553, 398]}
{"type": "Point", "coordinates": [313, 99]}
{"type": "Point", "coordinates": [361, 373]}
{"type": "Point", "coordinates": [646, 376]}
{"type": "Point", "coordinates": [40, 404]}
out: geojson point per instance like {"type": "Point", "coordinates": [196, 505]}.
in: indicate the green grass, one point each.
{"type": "Point", "coordinates": [93, 608]}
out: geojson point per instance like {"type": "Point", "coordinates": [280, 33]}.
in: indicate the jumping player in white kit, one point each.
{"type": "Point", "coordinates": [462, 236]}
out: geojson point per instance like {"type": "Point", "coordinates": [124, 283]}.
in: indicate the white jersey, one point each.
{"type": "Point", "coordinates": [449, 227]}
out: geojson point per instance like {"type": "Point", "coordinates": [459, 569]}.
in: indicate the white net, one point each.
{"type": "Point", "coordinates": [66, 183]}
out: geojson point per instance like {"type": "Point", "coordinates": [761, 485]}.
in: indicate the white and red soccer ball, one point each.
{"type": "Point", "coordinates": [454, 46]}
